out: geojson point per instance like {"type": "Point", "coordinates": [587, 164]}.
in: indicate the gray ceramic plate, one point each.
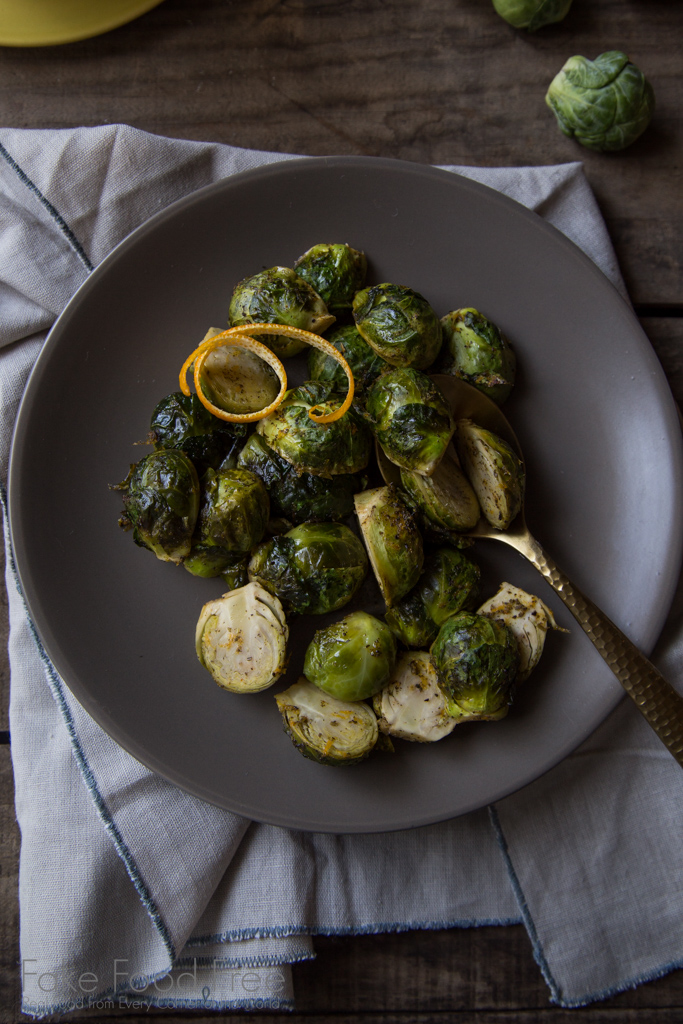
{"type": "Point", "coordinates": [592, 410]}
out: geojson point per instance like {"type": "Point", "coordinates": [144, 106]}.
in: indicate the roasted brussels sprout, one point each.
{"type": "Point", "coordinates": [475, 351]}
{"type": "Point", "coordinates": [208, 561]}
{"type": "Point", "coordinates": [399, 324]}
{"type": "Point", "coordinates": [446, 498]}
{"type": "Point", "coordinates": [335, 272]}
{"type": "Point", "coordinates": [365, 364]}
{"type": "Point", "coordinates": [352, 659]}
{"type": "Point", "coordinates": [527, 617]}
{"type": "Point", "coordinates": [236, 380]}
{"type": "Point", "coordinates": [279, 296]}
{"type": "Point", "coordinates": [325, 729]}
{"type": "Point", "coordinates": [241, 639]}
{"type": "Point", "coordinates": [495, 472]}
{"type": "Point", "coordinates": [234, 512]}
{"type": "Point", "coordinates": [324, 449]}
{"type": "Point", "coordinates": [476, 664]}
{"type": "Point", "coordinates": [314, 568]}
{"type": "Point", "coordinates": [448, 584]}
{"type": "Point", "coordinates": [412, 706]}
{"type": "Point", "coordinates": [161, 504]}
{"type": "Point", "coordinates": [299, 497]}
{"type": "Point", "coordinates": [411, 419]}
{"type": "Point", "coordinates": [181, 421]}
{"type": "Point", "coordinates": [393, 541]}
{"type": "Point", "coordinates": [532, 14]}
{"type": "Point", "coordinates": [604, 104]}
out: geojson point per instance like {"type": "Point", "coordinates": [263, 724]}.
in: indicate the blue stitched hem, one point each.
{"type": "Point", "coordinates": [223, 962]}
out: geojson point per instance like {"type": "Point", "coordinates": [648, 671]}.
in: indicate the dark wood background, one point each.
{"type": "Point", "coordinates": [435, 81]}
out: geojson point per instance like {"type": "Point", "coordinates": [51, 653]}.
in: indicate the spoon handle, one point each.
{"type": "Point", "coordinates": [654, 697]}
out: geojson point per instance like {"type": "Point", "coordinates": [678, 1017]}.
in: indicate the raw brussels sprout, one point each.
{"type": "Point", "coordinates": [446, 498]}
{"type": "Point", "coordinates": [241, 639]}
{"type": "Point", "coordinates": [365, 364]}
{"type": "Point", "coordinates": [495, 472]}
{"type": "Point", "coordinates": [161, 504]}
{"type": "Point", "coordinates": [237, 380]}
{"type": "Point", "coordinates": [448, 584]}
{"type": "Point", "coordinates": [235, 510]}
{"type": "Point", "coordinates": [279, 296]}
{"type": "Point", "coordinates": [314, 568]}
{"type": "Point", "coordinates": [532, 14]}
{"type": "Point", "coordinates": [351, 659]}
{"type": "Point", "coordinates": [336, 272]}
{"type": "Point", "coordinates": [181, 421]}
{"type": "Point", "coordinates": [604, 104]}
{"type": "Point", "coordinates": [475, 351]}
{"type": "Point", "coordinates": [324, 729]}
{"type": "Point", "coordinates": [476, 664]}
{"type": "Point", "coordinates": [412, 706]}
{"type": "Point", "coordinates": [299, 497]}
{"type": "Point", "coordinates": [392, 539]}
{"type": "Point", "coordinates": [411, 419]}
{"type": "Point", "coordinates": [399, 324]}
{"type": "Point", "coordinates": [527, 618]}
{"type": "Point", "coordinates": [324, 449]}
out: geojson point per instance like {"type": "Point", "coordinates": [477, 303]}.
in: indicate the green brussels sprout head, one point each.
{"type": "Point", "coordinates": [351, 659]}
{"type": "Point", "coordinates": [446, 499]}
{"type": "Point", "coordinates": [392, 539]}
{"type": "Point", "coordinates": [476, 663]}
{"type": "Point", "coordinates": [365, 364]}
{"type": "Point", "coordinates": [161, 504]}
{"type": "Point", "coordinates": [532, 14]}
{"type": "Point", "coordinates": [412, 706]}
{"type": "Point", "coordinates": [237, 380]}
{"type": "Point", "coordinates": [325, 729]}
{"type": "Point", "coordinates": [181, 421]}
{"type": "Point", "coordinates": [399, 324]}
{"type": "Point", "coordinates": [235, 510]}
{"type": "Point", "coordinates": [604, 104]}
{"type": "Point", "coordinates": [495, 472]}
{"type": "Point", "coordinates": [475, 351]}
{"type": "Point", "coordinates": [528, 619]}
{"type": "Point", "coordinates": [335, 271]}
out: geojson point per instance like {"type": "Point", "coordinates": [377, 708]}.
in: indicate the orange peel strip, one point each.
{"type": "Point", "coordinates": [243, 333]}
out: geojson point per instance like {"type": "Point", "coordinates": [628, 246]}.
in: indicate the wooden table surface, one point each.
{"type": "Point", "coordinates": [434, 81]}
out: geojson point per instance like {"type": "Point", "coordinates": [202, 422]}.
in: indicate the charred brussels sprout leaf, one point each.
{"type": "Point", "coordinates": [604, 104]}
{"type": "Point", "coordinates": [234, 512]}
{"type": "Point", "coordinates": [325, 729]}
{"type": "Point", "coordinates": [279, 296]}
{"type": "Point", "coordinates": [399, 324]}
{"type": "Point", "coordinates": [351, 659]}
{"type": "Point", "coordinates": [446, 498]}
{"type": "Point", "coordinates": [392, 539]}
{"type": "Point", "coordinates": [161, 504]}
{"type": "Point", "coordinates": [181, 421]}
{"type": "Point", "coordinates": [475, 351]}
{"type": "Point", "coordinates": [411, 419]}
{"type": "Point", "coordinates": [528, 619]}
{"type": "Point", "coordinates": [299, 497]}
{"type": "Point", "coordinates": [334, 271]}
{"type": "Point", "coordinates": [476, 663]}
{"type": "Point", "coordinates": [314, 568]}
{"type": "Point", "coordinates": [448, 584]}
{"type": "Point", "coordinates": [412, 706]}
{"type": "Point", "coordinates": [324, 449]}
{"type": "Point", "coordinates": [365, 364]}
{"type": "Point", "coordinates": [495, 472]}
{"type": "Point", "coordinates": [532, 14]}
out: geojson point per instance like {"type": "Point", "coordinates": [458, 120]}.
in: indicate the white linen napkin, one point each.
{"type": "Point", "coordinates": [133, 890]}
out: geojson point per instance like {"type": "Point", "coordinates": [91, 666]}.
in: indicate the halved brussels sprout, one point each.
{"type": "Point", "coordinates": [412, 706]}
{"type": "Point", "coordinates": [236, 380]}
{"type": "Point", "coordinates": [446, 498]}
{"type": "Point", "coordinates": [351, 659]}
{"type": "Point", "coordinates": [532, 14]}
{"type": "Point", "coordinates": [411, 419]}
{"type": "Point", "coordinates": [335, 271]}
{"type": "Point", "coordinates": [324, 449]}
{"type": "Point", "coordinates": [181, 421]}
{"type": "Point", "coordinates": [325, 729]}
{"type": "Point", "coordinates": [241, 639]}
{"type": "Point", "coordinates": [314, 568]}
{"type": "Point", "coordinates": [494, 470]}
{"type": "Point", "coordinates": [604, 104]}
{"type": "Point", "coordinates": [476, 662]}
{"type": "Point", "coordinates": [235, 510]}
{"type": "Point", "coordinates": [475, 351]}
{"type": "Point", "coordinates": [279, 296]}
{"type": "Point", "coordinates": [161, 504]}
{"type": "Point", "coordinates": [365, 364]}
{"type": "Point", "coordinates": [399, 324]}
{"type": "Point", "coordinates": [448, 583]}
{"type": "Point", "coordinates": [527, 617]}
{"type": "Point", "coordinates": [392, 539]}
{"type": "Point", "coordinates": [295, 496]}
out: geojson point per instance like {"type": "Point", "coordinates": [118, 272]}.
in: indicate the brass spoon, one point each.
{"type": "Point", "coordinates": [654, 697]}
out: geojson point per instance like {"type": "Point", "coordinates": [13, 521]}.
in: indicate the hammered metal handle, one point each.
{"type": "Point", "coordinates": [654, 697]}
